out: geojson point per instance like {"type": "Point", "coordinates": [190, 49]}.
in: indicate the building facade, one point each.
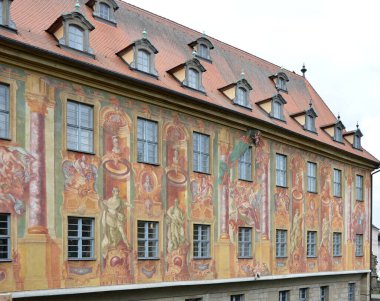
{"type": "Point", "coordinates": [137, 156]}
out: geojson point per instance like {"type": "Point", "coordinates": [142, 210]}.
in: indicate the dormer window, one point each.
{"type": "Point", "coordinates": [76, 37]}
{"type": "Point", "coordinates": [338, 135]}
{"type": "Point", "coordinates": [306, 118]}
{"type": "Point", "coordinates": [277, 110]}
{"type": "Point", "coordinates": [104, 10]}
{"type": "Point", "coordinates": [280, 80]}
{"type": "Point", "coordinates": [140, 56]}
{"type": "Point", "coordinates": [357, 142]}
{"type": "Point", "coordinates": [239, 92]}
{"type": "Point", "coordinates": [310, 123]}
{"type": "Point", "coordinates": [143, 60]}
{"type": "Point", "coordinates": [202, 46]}
{"type": "Point", "coordinates": [193, 78]}
{"type": "Point", "coordinates": [241, 96]}
{"type": "Point", "coordinates": [5, 15]}
{"type": "Point", "coordinates": [335, 130]}
{"type": "Point", "coordinates": [73, 31]}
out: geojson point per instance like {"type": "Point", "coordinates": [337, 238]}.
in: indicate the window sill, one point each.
{"type": "Point", "coordinates": [360, 200]}
{"type": "Point", "coordinates": [338, 196]}
{"type": "Point", "coordinates": [281, 257]}
{"type": "Point", "coordinates": [5, 261]}
{"type": "Point", "coordinates": [5, 138]}
{"type": "Point", "coordinates": [77, 51]}
{"type": "Point", "coordinates": [313, 192]}
{"type": "Point", "coordinates": [339, 256]}
{"type": "Point", "coordinates": [202, 172]}
{"type": "Point", "coordinates": [148, 258]}
{"type": "Point", "coordinates": [100, 19]}
{"type": "Point", "coordinates": [311, 131]}
{"type": "Point", "coordinates": [244, 180]}
{"type": "Point", "coordinates": [144, 72]}
{"type": "Point", "coordinates": [312, 257]}
{"type": "Point", "coordinates": [204, 58]}
{"type": "Point", "coordinates": [202, 258]}
{"type": "Point", "coordinates": [194, 89]}
{"type": "Point", "coordinates": [245, 257]}
{"type": "Point", "coordinates": [14, 30]}
{"type": "Point", "coordinates": [280, 186]}
{"type": "Point", "coordinates": [359, 255]}
{"type": "Point", "coordinates": [81, 259]}
{"type": "Point", "coordinates": [81, 152]}
{"type": "Point", "coordinates": [279, 119]}
{"type": "Point", "coordinates": [149, 163]}
{"type": "Point", "coordinates": [243, 106]}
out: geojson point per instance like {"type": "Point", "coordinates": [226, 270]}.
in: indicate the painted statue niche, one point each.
{"type": "Point", "coordinates": [202, 191]}
{"type": "Point", "coordinates": [80, 192]}
{"type": "Point", "coordinates": [116, 206]}
{"type": "Point", "coordinates": [15, 174]}
{"type": "Point", "coordinates": [115, 247]}
{"type": "Point", "coordinates": [177, 248]}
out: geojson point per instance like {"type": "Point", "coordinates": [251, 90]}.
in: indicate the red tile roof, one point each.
{"type": "Point", "coordinates": [34, 17]}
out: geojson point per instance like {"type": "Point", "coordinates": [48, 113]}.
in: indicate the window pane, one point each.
{"type": "Point", "coordinates": [193, 80]}
{"type": "Point", "coordinates": [105, 11]}
{"type": "Point", "coordinates": [143, 60]}
{"type": "Point", "coordinates": [147, 141]}
{"type": "Point", "coordinates": [76, 37]}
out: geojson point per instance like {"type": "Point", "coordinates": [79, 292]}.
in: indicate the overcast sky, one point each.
{"type": "Point", "coordinates": [338, 40]}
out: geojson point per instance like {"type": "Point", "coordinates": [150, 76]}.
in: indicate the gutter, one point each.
{"type": "Point", "coordinates": [102, 71]}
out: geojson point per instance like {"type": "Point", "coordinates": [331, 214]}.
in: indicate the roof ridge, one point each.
{"type": "Point", "coordinates": [196, 31]}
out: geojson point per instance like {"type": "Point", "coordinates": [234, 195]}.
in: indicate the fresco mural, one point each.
{"type": "Point", "coordinates": [117, 191]}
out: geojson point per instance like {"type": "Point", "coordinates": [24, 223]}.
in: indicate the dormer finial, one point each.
{"type": "Point", "coordinates": [204, 34]}
{"type": "Point", "coordinates": [310, 103]}
{"type": "Point", "coordinates": [242, 74]}
{"type": "Point", "coordinates": [338, 116]}
{"type": "Point", "coordinates": [144, 34]}
{"type": "Point", "coordinates": [194, 53]}
{"type": "Point", "coordinates": [303, 70]}
{"type": "Point", "coordinates": [357, 124]}
{"type": "Point", "coordinates": [77, 6]}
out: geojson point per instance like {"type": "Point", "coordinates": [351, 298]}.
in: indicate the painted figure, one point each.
{"type": "Point", "coordinates": [113, 221]}
{"type": "Point", "coordinates": [296, 231]}
{"type": "Point", "coordinates": [148, 187]}
{"type": "Point", "coordinates": [175, 220]}
{"type": "Point", "coordinates": [325, 241]}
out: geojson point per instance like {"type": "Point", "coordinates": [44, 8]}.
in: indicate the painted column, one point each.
{"type": "Point", "coordinates": [37, 99]}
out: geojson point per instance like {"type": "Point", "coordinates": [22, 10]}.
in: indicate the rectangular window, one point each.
{"type": "Point", "coordinates": [359, 188]}
{"type": "Point", "coordinates": [245, 242]}
{"type": "Point", "coordinates": [245, 165]}
{"type": "Point", "coordinates": [147, 141]}
{"type": "Point", "coordinates": [201, 152]}
{"type": "Point", "coordinates": [80, 238]}
{"type": "Point", "coordinates": [281, 240]}
{"type": "Point", "coordinates": [351, 292]}
{"type": "Point", "coordinates": [311, 177]}
{"type": "Point", "coordinates": [304, 294]}
{"type": "Point", "coordinates": [5, 237]}
{"type": "Point", "coordinates": [147, 236]}
{"type": "Point", "coordinates": [283, 296]}
{"type": "Point", "coordinates": [237, 298]}
{"type": "Point", "coordinates": [80, 127]}
{"type": "Point", "coordinates": [337, 244]}
{"type": "Point", "coordinates": [4, 111]}
{"type": "Point", "coordinates": [324, 293]}
{"type": "Point", "coordinates": [359, 245]}
{"type": "Point", "coordinates": [337, 183]}
{"type": "Point", "coordinates": [311, 243]}
{"type": "Point", "coordinates": [201, 241]}
{"type": "Point", "coordinates": [280, 170]}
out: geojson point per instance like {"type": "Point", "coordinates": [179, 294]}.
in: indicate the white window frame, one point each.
{"type": "Point", "coordinates": [147, 147]}
{"type": "Point", "coordinates": [311, 243]}
{"type": "Point", "coordinates": [101, 15]}
{"type": "Point", "coordinates": [193, 79]}
{"type": "Point", "coordinates": [337, 244]}
{"type": "Point", "coordinates": [239, 297]}
{"type": "Point", "coordinates": [5, 236]}
{"type": "Point", "coordinates": [147, 239]}
{"type": "Point", "coordinates": [245, 165]}
{"type": "Point", "coordinates": [312, 177]}
{"type": "Point", "coordinates": [281, 243]}
{"type": "Point", "coordinates": [337, 175]}
{"type": "Point", "coordinates": [80, 238]}
{"type": "Point", "coordinates": [5, 112]}
{"type": "Point", "coordinates": [324, 291]}
{"type": "Point", "coordinates": [304, 294]}
{"type": "Point", "coordinates": [359, 180]}
{"type": "Point", "coordinates": [74, 38]}
{"type": "Point", "coordinates": [143, 62]}
{"type": "Point", "coordinates": [359, 245]}
{"type": "Point", "coordinates": [283, 296]}
{"type": "Point", "coordinates": [351, 291]}
{"type": "Point", "coordinates": [281, 170]}
{"type": "Point", "coordinates": [80, 128]}
{"type": "Point", "coordinates": [201, 153]}
{"type": "Point", "coordinates": [245, 242]}
{"type": "Point", "coordinates": [201, 241]}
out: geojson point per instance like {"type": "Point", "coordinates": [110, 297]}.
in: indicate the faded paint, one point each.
{"type": "Point", "coordinates": [267, 106]}
{"type": "Point", "coordinates": [128, 56]}
{"type": "Point", "coordinates": [113, 188]}
{"type": "Point", "coordinates": [180, 75]}
{"type": "Point", "coordinates": [59, 33]}
{"type": "Point", "coordinates": [300, 119]}
{"type": "Point", "coordinates": [230, 93]}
